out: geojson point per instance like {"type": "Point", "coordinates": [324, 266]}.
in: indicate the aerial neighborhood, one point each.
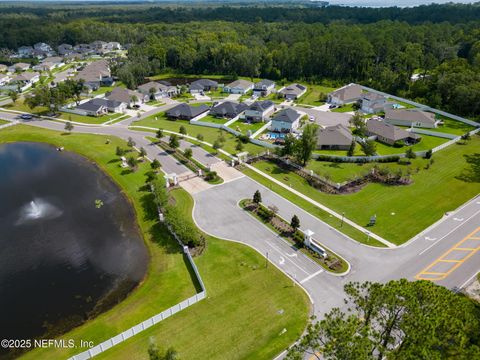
{"type": "Point", "coordinates": [205, 182]}
{"type": "Point", "coordinates": [261, 109]}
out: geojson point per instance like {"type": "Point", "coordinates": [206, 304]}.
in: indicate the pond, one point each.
{"type": "Point", "coordinates": [70, 247]}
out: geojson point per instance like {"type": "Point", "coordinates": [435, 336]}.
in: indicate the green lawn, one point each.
{"type": "Point", "coordinates": [213, 119]}
{"type": "Point", "coordinates": [89, 119]}
{"type": "Point", "coordinates": [41, 110]}
{"type": "Point", "coordinates": [243, 127]}
{"type": "Point", "coordinates": [453, 126]}
{"type": "Point", "coordinates": [235, 277]}
{"type": "Point", "coordinates": [340, 172]}
{"type": "Point", "coordinates": [344, 108]}
{"type": "Point", "coordinates": [3, 122]}
{"type": "Point", "coordinates": [247, 308]}
{"type": "Point", "coordinates": [209, 134]}
{"type": "Point", "coordinates": [104, 89]}
{"type": "Point", "coordinates": [313, 210]}
{"type": "Point", "coordinates": [403, 211]}
{"type": "Point", "coordinates": [427, 143]}
{"type": "Point", "coordinates": [168, 280]}
{"type": "Point", "coordinates": [311, 97]}
{"type": "Point", "coordinates": [404, 104]}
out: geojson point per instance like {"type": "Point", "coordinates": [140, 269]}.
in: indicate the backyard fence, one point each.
{"type": "Point", "coordinates": [107, 344]}
{"type": "Point", "coordinates": [423, 107]}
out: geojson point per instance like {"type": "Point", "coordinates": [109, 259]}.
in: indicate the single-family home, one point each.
{"type": "Point", "coordinates": [113, 45]}
{"type": "Point", "coordinates": [201, 85]}
{"type": "Point", "coordinates": [56, 60]}
{"type": "Point", "coordinates": [259, 111]}
{"type": "Point", "coordinates": [98, 45]}
{"type": "Point", "coordinates": [263, 87]}
{"type": "Point", "coordinates": [24, 80]}
{"type": "Point", "coordinates": [228, 109]}
{"type": "Point", "coordinates": [346, 94]}
{"type": "Point", "coordinates": [42, 47]}
{"type": "Point", "coordinates": [91, 108]}
{"type": "Point", "coordinates": [3, 68]}
{"type": "Point", "coordinates": [95, 74]}
{"type": "Point", "coordinates": [372, 103]}
{"type": "Point", "coordinates": [127, 96]}
{"type": "Point", "coordinates": [4, 79]}
{"type": "Point", "coordinates": [186, 112]}
{"type": "Point", "coordinates": [65, 49]}
{"type": "Point", "coordinates": [157, 90]}
{"type": "Point", "coordinates": [82, 48]}
{"type": "Point", "coordinates": [293, 91]}
{"type": "Point", "coordinates": [25, 51]}
{"type": "Point", "coordinates": [44, 66]}
{"type": "Point", "coordinates": [410, 117]}
{"type": "Point", "coordinates": [19, 67]}
{"type": "Point", "coordinates": [286, 121]}
{"type": "Point", "coordinates": [390, 134]}
{"type": "Point", "coordinates": [98, 105]}
{"type": "Point", "coordinates": [239, 86]}
{"type": "Point", "coordinates": [336, 137]}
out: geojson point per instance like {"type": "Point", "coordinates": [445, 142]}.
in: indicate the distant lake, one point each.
{"type": "Point", "coordinates": [399, 3]}
{"type": "Point", "coordinates": [63, 259]}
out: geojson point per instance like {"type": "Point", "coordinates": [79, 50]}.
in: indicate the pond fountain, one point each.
{"type": "Point", "coordinates": [63, 258]}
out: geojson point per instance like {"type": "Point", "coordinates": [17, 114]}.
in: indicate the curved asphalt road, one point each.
{"type": "Point", "coordinates": [443, 249]}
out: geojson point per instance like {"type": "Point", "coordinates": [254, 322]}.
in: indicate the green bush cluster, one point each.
{"type": "Point", "coordinates": [186, 231]}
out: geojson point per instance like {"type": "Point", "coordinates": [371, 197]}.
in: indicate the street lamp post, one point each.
{"type": "Point", "coordinates": [266, 260]}
{"type": "Point", "coordinates": [343, 217]}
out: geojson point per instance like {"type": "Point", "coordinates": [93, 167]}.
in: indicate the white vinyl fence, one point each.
{"type": "Point", "coordinates": [117, 339]}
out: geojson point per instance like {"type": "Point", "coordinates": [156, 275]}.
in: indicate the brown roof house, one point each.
{"type": "Point", "coordinates": [410, 117]}
{"type": "Point", "coordinates": [238, 87]}
{"type": "Point", "coordinates": [157, 90]}
{"type": "Point", "coordinates": [390, 134]}
{"type": "Point", "coordinates": [126, 96]}
{"type": "Point", "coordinates": [347, 94]}
{"type": "Point", "coordinates": [336, 137]}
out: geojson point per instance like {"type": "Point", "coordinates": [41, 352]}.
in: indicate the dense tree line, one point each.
{"type": "Point", "coordinates": [359, 48]}
{"type": "Point", "coordinates": [397, 320]}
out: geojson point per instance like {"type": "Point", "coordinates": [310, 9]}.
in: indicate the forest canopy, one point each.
{"type": "Point", "coordinates": [381, 48]}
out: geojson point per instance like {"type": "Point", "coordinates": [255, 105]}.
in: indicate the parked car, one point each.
{"type": "Point", "coordinates": [26, 117]}
{"type": "Point", "coordinates": [332, 106]}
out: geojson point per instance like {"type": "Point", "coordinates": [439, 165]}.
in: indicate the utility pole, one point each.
{"type": "Point", "coordinates": [343, 217]}
{"type": "Point", "coordinates": [266, 260]}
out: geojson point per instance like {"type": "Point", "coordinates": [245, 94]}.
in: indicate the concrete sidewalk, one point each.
{"type": "Point", "coordinates": [324, 208]}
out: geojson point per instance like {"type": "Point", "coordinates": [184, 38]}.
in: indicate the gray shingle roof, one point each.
{"type": "Point", "coordinates": [410, 115]}
{"type": "Point", "coordinates": [287, 115]}
{"type": "Point", "coordinates": [348, 92]}
{"type": "Point", "coordinates": [228, 108]}
{"type": "Point", "coordinates": [261, 105]}
{"type": "Point", "coordinates": [187, 111]}
{"type": "Point", "coordinates": [265, 83]}
{"type": "Point", "coordinates": [240, 83]}
{"type": "Point", "coordinates": [334, 135]}
{"type": "Point", "coordinates": [387, 131]}
{"type": "Point", "coordinates": [293, 89]}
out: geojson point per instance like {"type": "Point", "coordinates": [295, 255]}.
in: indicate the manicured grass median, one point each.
{"type": "Point", "coordinates": [313, 210]}
{"type": "Point", "coordinates": [404, 211]}
{"type": "Point", "coordinates": [168, 279]}
{"type": "Point", "coordinates": [244, 317]}
{"type": "Point", "coordinates": [3, 122]}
